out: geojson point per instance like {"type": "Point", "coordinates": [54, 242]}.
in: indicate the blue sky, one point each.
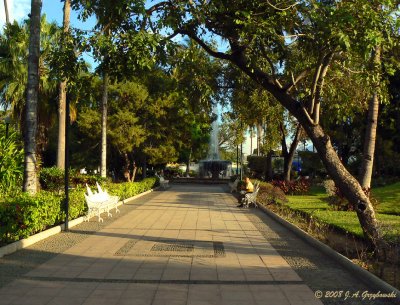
{"type": "Point", "coordinates": [19, 10]}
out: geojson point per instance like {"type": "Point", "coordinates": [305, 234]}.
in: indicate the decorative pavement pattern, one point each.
{"type": "Point", "coordinates": [187, 245]}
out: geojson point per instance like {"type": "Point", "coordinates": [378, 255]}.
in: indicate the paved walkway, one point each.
{"type": "Point", "coordinates": [188, 245]}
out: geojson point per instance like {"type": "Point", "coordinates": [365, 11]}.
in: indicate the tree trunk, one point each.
{"type": "Point", "coordinates": [6, 12]}
{"type": "Point", "coordinates": [188, 164]}
{"type": "Point", "coordinates": [288, 155]}
{"type": "Point", "coordinates": [62, 99]}
{"type": "Point", "coordinates": [134, 171]}
{"type": "Point", "coordinates": [259, 137]}
{"type": "Point", "coordinates": [144, 168]}
{"type": "Point", "coordinates": [30, 176]}
{"type": "Point", "coordinates": [269, 173]}
{"type": "Point", "coordinates": [370, 133]}
{"type": "Point", "coordinates": [103, 165]}
{"type": "Point", "coordinates": [251, 140]}
{"type": "Point", "coordinates": [127, 173]}
{"type": "Point", "coordinates": [348, 185]}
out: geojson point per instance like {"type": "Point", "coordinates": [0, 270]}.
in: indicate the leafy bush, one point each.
{"type": "Point", "coordinates": [24, 215]}
{"type": "Point", "coordinates": [129, 189]}
{"type": "Point", "coordinates": [312, 164]}
{"type": "Point", "coordinates": [11, 164]}
{"type": "Point", "coordinates": [295, 187]}
{"type": "Point", "coordinates": [257, 165]}
{"type": "Point", "coordinates": [270, 194]}
{"type": "Point", "coordinates": [52, 179]}
{"type": "Point", "coordinates": [77, 205]}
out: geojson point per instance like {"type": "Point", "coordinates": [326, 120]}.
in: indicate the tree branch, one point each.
{"type": "Point", "coordinates": [282, 9]}
{"type": "Point", "coordinates": [324, 70]}
{"type": "Point", "coordinates": [294, 82]}
{"type": "Point", "coordinates": [314, 83]}
{"type": "Point", "coordinates": [296, 139]}
{"type": "Point", "coordinates": [276, 81]}
{"type": "Point", "coordinates": [156, 7]}
{"type": "Point", "coordinates": [205, 46]}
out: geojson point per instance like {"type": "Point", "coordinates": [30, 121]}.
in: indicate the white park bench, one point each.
{"type": "Point", "coordinates": [100, 202]}
{"type": "Point", "coordinates": [233, 185]}
{"type": "Point", "coordinates": [163, 183]}
{"type": "Point", "coordinates": [251, 198]}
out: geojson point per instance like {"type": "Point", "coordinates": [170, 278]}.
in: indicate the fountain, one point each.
{"type": "Point", "coordinates": [213, 167]}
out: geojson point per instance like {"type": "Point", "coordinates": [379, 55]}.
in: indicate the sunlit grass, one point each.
{"type": "Point", "coordinates": [388, 198]}
{"type": "Point", "coordinates": [316, 205]}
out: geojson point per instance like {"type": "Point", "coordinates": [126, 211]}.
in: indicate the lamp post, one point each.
{"type": "Point", "coordinates": [241, 161]}
{"type": "Point", "coordinates": [237, 160]}
{"type": "Point", "coordinates": [7, 121]}
{"type": "Point", "coordinates": [66, 172]}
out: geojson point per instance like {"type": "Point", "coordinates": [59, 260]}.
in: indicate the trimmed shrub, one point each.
{"type": "Point", "coordinates": [257, 165]}
{"type": "Point", "coordinates": [295, 187]}
{"type": "Point", "coordinates": [269, 194]}
{"type": "Point", "coordinates": [25, 215]}
{"type": "Point", "coordinates": [129, 189]}
{"type": "Point", "coordinates": [52, 179]}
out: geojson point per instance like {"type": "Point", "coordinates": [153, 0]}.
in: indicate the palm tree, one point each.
{"type": "Point", "coordinates": [13, 67]}
{"type": "Point", "coordinates": [30, 177]}
{"type": "Point", "coordinates": [62, 95]}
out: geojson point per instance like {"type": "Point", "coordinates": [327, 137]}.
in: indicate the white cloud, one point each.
{"type": "Point", "coordinates": [17, 9]}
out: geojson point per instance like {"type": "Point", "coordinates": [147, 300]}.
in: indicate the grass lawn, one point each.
{"type": "Point", "coordinates": [317, 206]}
{"type": "Point", "coordinates": [389, 198]}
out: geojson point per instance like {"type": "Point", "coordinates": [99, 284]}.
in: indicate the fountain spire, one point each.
{"type": "Point", "coordinates": [213, 150]}
{"type": "Point", "coordinates": [213, 167]}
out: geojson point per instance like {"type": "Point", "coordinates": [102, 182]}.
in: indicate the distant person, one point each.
{"type": "Point", "coordinates": [247, 188]}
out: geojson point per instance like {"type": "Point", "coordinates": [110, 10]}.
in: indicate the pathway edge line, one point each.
{"type": "Point", "coordinates": [364, 275]}
{"type": "Point", "coordinates": [26, 242]}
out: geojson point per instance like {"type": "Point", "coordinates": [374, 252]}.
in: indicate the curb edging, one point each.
{"type": "Point", "coordinates": [26, 242]}
{"type": "Point", "coordinates": [364, 275]}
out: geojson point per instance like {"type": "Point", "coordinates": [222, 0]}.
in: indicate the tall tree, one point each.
{"type": "Point", "coordinates": [62, 95]}
{"type": "Point", "coordinates": [104, 109]}
{"type": "Point", "coordinates": [30, 175]}
{"type": "Point", "coordinates": [260, 32]}
{"type": "Point", "coordinates": [14, 43]}
{"type": "Point", "coordinates": [372, 124]}
{"type": "Point", "coordinates": [121, 46]}
{"type": "Point", "coordinates": [125, 131]}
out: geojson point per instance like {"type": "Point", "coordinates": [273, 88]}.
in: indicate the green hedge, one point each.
{"type": "Point", "coordinates": [128, 189]}
{"type": "Point", "coordinates": [52, 179]}
{"type": "Point", "coordinates": [257, 164]}
{"type": "Point", "coordinates": [25, 215]}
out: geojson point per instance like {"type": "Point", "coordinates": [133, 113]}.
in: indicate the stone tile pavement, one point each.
{"type": "Point", "coordinates": [187, 245]}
